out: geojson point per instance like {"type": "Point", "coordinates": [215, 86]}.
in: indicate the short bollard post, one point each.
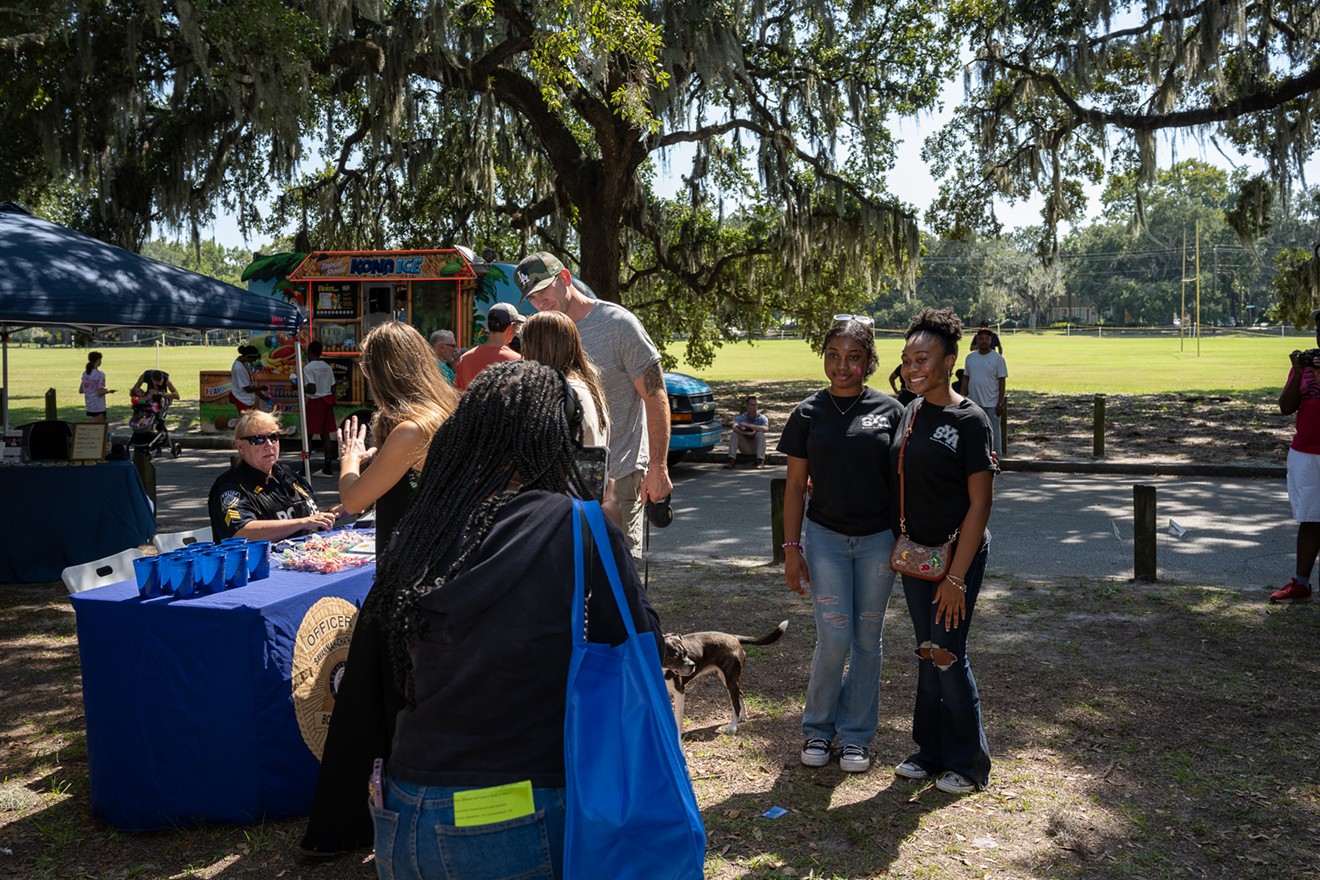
{"type": "Point", "coordinates": [1098, 443]}
{"type": "Point", "coordinates": [52, 412]}
{"type": "Point", "coordinates": [1143, 533]}
{"type": "Point", "coordinates": [1003, 430]}
{"type": "Point", "coordinates": [778, 487]}
{"type": "Point", "coordinates": [147, 471]}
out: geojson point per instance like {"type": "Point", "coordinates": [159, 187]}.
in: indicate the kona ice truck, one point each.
{"type": "Point", "coordinates": [343, 294]}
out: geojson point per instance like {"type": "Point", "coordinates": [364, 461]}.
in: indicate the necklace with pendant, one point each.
{"type": "Point", "coordinates": [843, 411]}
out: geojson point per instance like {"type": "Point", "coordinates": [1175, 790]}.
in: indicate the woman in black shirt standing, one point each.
{"type": "Point", "coordinates": [840, 438]}
{"type": "Point", "coordinates": [948, 482]}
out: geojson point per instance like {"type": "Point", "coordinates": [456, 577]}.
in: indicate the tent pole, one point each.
{"type": "Point", "coordinates": [302, 404]}
{"type": "Point", "coordinates": [4, 388]}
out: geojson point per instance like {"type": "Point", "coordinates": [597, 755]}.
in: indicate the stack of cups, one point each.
{"type": "Point", "coordinates": [236, 565]}
{"type": "Point", "coordinates": [258, 560]}
{"type": "Point", "coordinates": [147, 569]}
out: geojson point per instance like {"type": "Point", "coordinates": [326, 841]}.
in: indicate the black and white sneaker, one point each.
{"type": "Point", "coordinates": [854, 759]}
{"type": "Point", "coordinates": [816, 752]}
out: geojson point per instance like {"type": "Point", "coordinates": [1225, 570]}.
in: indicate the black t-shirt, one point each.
{"type": "Point", "coordinates": [243, 494]}
{"type": "Point", "coordinates": [947, 445]}
{"type": "Point", "coordinates": [490, 671]}
{"type": "Point", "coordinates": [846, 445]}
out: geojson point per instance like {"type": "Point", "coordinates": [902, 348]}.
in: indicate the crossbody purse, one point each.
{"type": "Point", "coordinates": [908, 557]}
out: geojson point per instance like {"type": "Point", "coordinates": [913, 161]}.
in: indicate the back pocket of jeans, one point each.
{"type": "Point", "coordinates": [518, 848]}
{"type": "Point", "coordinates": [386, 824]}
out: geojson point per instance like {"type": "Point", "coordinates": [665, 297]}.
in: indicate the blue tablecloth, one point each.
{"type": "Point", "coordinates": [66, 515]}
{"type": "Point", "coordinates": [191, 714]}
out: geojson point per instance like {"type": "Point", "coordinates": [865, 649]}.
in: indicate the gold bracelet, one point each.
{"type": "Point", "coordinates": [956, 581]}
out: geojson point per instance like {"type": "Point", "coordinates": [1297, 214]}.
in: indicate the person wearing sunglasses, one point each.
{"type": "Point", "coordinates": [259, 498]}
{"type": "Point", "coordinates": [837, 544]}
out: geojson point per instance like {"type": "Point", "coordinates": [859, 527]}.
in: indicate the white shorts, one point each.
{"type": "Point", "coordinates": [1304, 485]}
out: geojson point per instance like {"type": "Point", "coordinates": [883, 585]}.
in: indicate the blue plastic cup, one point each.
{"type": "Point", "coordinates": [177, 574]}
{"type": "Point", "coordinates": [209, 569]}
{"type": "Point", "coordinates": [200, 547]}
{"type": "Point", "coordinates": [236, 570]}
{"type": "Point", "coordinates": [231, 542]}
{"type": "Point", "coordinates": [258, 560]}
{"type": "Point", "coordinates": [147, 569]}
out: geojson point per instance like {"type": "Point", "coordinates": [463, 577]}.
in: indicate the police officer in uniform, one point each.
{"type": "Point", "coordinates": [259, 498]}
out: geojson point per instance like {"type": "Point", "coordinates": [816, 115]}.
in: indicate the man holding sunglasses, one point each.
{"type": "Point", "coordinates": [259, 498]}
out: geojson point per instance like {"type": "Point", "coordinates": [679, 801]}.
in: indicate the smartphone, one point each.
{"type": "Point", "coordinates": [377, 783]}
{"type": "Point", "coordinates": [593, 464]}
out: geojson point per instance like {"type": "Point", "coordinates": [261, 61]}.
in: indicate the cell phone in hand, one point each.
{"type": "Point", "coordinates": [593, 465]}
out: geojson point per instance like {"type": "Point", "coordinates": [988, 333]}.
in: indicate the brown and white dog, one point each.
{"type": "Point", "coordinates": [696, 654]}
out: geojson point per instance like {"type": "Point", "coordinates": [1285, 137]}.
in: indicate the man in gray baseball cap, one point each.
{"type": "Point", "coordinates": [630, 375]}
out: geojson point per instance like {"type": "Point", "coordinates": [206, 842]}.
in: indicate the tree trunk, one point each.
{"type": "Point", "coordinates": [600, 201]}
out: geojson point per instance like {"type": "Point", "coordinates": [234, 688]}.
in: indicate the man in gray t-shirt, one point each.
{"type": "Point", "coordinates": [630, 376]}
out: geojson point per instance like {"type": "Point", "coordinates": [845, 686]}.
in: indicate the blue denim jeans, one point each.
{"type": "Point", "coordinates": [946, 723]}
{"type": "Point", "coordinates": [850, 585]}
{"type": "Point", "coordinates": [416, 838]}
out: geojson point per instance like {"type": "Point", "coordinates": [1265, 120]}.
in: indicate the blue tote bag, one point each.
{"type": "Point", "coordinates": [631, 811]}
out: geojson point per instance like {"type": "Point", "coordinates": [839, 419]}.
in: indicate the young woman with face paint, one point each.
{"type": "Point", "coordinates": [837, 544]}
{"type": "Point", "coordinates": [948, 476]}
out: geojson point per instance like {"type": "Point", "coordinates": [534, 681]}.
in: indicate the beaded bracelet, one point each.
{"type": "Point", "coordinates": [956, 581]}
{"type": "Point", "coordinates": [790, 544]}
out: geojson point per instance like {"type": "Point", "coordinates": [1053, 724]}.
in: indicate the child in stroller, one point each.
{"type": "Point", "coordinates": [151, 396]}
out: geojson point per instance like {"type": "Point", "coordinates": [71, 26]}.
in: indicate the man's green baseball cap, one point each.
{"type": "Point", "coordinates": [537, 271]}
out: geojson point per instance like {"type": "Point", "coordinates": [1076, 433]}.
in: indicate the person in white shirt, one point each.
{"type": "Point", "coordinates": [985, 382]}
{"type": "Point", "coordinates": [319, 385]}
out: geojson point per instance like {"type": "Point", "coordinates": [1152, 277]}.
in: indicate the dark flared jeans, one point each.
{"type": "Point", "coordinates": [946, 723]}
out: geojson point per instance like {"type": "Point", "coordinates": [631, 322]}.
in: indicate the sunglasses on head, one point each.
{"type": "Point", "coordinates": [864, 320]}
{"type": "Point", "coordinates": [260, 439]}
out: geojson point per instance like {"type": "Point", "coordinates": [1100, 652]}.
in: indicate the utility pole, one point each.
{"type": "Point", "coordinates": [1182, 311]}
{"type": "Point", "coordinates": [1198, 288]}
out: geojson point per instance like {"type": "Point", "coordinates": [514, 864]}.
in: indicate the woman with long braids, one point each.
{"type": "Point", "coordinates": [943, 449]}
{"type": "Point", "coordinates": [839, 438]}
{"type": "Point", "coordinates": [476, 595]}
{"type": "Point", "coordinates": [412, 402]}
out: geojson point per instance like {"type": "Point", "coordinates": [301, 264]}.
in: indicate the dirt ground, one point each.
{"type": "Point", "coordinates": [1138, 731]}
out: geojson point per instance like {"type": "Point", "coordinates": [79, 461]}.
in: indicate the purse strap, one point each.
{"type": "Point", "coordinates": [902, 494]}
{"type": "Point", "coordinates": [590, 512]}
{"type": "Point", "coordinates": [902, 451]}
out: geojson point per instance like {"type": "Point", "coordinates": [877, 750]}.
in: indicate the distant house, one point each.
{"type": "Point", "coordinates": [1073, 314]}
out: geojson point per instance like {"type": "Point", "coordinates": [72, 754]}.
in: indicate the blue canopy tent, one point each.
{"type": "Point", "coordinates": [54, 276]}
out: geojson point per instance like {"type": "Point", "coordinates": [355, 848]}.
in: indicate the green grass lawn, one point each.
{"type": "Point", "coordinates": [1077, 364]}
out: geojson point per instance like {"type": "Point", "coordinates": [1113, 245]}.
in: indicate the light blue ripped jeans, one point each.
{"type": "Point", "coordinates": [850, 584]}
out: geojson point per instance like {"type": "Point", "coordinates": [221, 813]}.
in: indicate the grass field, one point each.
{"type": "Point", "coordinates": [1076, 364]}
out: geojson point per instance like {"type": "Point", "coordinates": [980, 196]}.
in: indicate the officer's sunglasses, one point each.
{"type": "Point", "coordinates": [259, 439]}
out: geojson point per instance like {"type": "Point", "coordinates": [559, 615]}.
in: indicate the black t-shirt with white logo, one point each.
{"type": "Point", "coordinates": [243, 494]}
{"type": "Point", "coordinates": [947, 445]}
{"type": "Point", "coordinates": [846, 444]}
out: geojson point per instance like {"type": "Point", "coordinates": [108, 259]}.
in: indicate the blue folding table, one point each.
{"type": "Point", "coordinates": [190, 707]}
{"type": "Point", "coordinates": [66, 514]}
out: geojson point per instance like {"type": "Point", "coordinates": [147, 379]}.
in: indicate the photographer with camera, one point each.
{"type": "Point", "coordinates": [1301, 395]}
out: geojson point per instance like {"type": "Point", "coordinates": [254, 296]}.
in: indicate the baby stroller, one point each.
{"type": "Point", "coordinates": [149, 432]}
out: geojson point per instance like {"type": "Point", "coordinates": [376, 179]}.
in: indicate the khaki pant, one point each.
{"type": "Point", "coordinates": [754, 443]}
{"type": "Point", "coordinates": [628, 492]}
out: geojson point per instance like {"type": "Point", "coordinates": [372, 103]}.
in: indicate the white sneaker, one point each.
{"type": "Point", "coordinates": [854, 759]}
{"type": "Point", "coordinates": [955, 783]}
{"type": "Point", "coordinates": [816, 753]}
{"type": "Point", "coordinates": [910, 770]}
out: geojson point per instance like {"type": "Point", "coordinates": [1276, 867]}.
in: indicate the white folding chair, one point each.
{"type": "Point", "coordinates": [99, 572]}
{"type": "Point", "coordinates": [178, 540]}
